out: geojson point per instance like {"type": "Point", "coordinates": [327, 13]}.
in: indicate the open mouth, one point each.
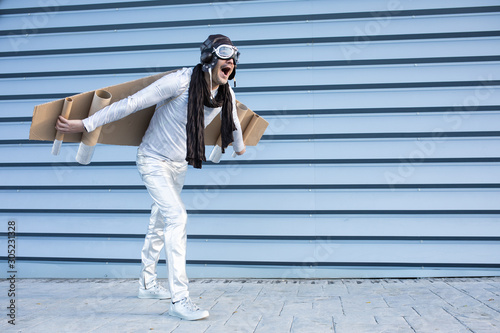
{"type": "Point", "coordinates": [226, 70]}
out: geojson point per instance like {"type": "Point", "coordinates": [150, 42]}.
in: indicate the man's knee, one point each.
{"type": "Point", "coordinates": [176, 217]}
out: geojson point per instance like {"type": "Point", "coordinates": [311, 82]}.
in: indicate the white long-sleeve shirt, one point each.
{"type": "Point", "coordinates": [165, 137]}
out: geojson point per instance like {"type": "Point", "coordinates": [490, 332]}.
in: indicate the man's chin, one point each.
{"type": "Point", "coordinates": [222, 81]}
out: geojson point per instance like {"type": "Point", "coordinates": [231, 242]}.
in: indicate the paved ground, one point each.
{"type": "Point", "coordinates": [340, 305]}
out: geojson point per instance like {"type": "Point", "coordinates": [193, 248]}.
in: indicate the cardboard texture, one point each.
{"type": "Point", "coordinates": [100, 100]}
{"type": "Point", "coordinates": [68, 102]}
{"type": "Point", "coordinates": [56, 147]}
{"type": "Point", "coordinates": [128, 131]}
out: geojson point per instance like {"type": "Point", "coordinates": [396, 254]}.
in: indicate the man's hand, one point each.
{"type": "Point", "coordinates": [64, 125]}
{"type": "Point", "coordinates": [241, 152]}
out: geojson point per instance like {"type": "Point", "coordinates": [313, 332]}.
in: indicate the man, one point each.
{"type": "Point", "coordinates": [186, 101]}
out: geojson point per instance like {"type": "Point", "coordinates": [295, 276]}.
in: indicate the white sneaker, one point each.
{"type": "Point", "coordinates": [187, 310]}
{"type": "Point", "coordinates": [156, 292]}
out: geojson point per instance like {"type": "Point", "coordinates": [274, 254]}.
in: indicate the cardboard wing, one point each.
{"type": "Point", "coordinates": [127, 131]}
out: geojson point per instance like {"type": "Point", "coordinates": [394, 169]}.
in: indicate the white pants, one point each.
{"type": "Point", "coordinates": [167, 226]}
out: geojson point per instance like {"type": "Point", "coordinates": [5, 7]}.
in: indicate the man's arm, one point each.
{"type": "Point", "coordinates": [156, 92]}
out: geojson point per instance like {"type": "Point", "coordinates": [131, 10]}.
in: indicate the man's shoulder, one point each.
{"type": "Point", "coordinates": [175, 81]}
{"type": "Point", "coordinates": [181, 74]}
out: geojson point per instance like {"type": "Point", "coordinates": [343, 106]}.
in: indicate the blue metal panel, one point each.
{"type": "Point", "coordinates": [302, 200]}
{"type": "Point", "coordinates": [224, 175]}
{"type": "Point", "coordinates": [328, 124]}
{"type": "Point", "coordinates": [221, 9]}
{"type": "Point", "coordinates": [152, 60]}
{"type": "Point", "coordinates": [9, 109]}
{"type": "Point", "coordinates": [106, 270]}
{"type": "Point", "coordinates": [267, 225]}
{"type": "Point", "coordinates": [404, 150]}
{"type": "Point", "coordinates": [259, 174]}
{"type": "Point", "coordinates": [54, 5]}
{"type": "Point", "coordinates": [248, 32]}
{"type": "Point", "coordinates": [117, 270]}
{"type": "Point", "coordinates": [277, 251]}
{"type": "Point", "coordinates": [352, 178]}
{"type": "Point", "coordinates": [460, 98]}
{"type": "Point", "coordinates": [296, 78]}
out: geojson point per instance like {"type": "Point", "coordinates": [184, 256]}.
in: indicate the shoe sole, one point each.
{"type": "Point", "coordinates": [155, 297]}
{"type": "Point", "coordinates": [174, 314]}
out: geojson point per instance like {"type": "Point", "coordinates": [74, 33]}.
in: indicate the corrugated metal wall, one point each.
{"type": "Point", "coordinates": [381, 159]}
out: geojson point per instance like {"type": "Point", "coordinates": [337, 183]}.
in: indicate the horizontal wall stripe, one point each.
{"type": "Point", "coordinates": [447, 109]}
{"type": "Point", "coordinates": [267, 237]}
{"type": "Point", "coordinates": [329, 136]}
{"type": "Point", "coordinates": [252, 20]}
{"type": "Point", "coordinates": [69, 164]}
{"type": "Point", "coordinates": [23, 142]}
{"type": "Point", "coordinates": [296, 64]}
{"type": "Point", "coordinates": [268, 162]}
{"type": "Point", "coordinates": [368, 62]}
{"type": "Point", "coordinates": [258, 187]}
{"type": "Point", "coordinates": [158, 3]}
{"type": "Point", "coordinates": [131, 48]}
{"type": "Point", "coordinates": [267, 263]}
{"type": "Point", "coordinates": [94, 72]}
{"type": "Point", "coordinates": [332, 87]}
{"type": "Point", "coordinates": [261, 42]}
{"type": "Point", "coordinates": [332, 136]}
{"type": "Point", "coordinates": [111, 5]}
{"type": "Point", "coordinates": [363, 86]}
{"type": "Point", "coordinates": [15, 119]}
{"type": "Point", "coordinates": [345, 264]}
{"type": "Point", "coordinates": [436, 109]}
{"type": "Point", "coordinates": [347, 212]}
{"type": "Point", "coordinates": [35, 96]}
{"type": "Point", "coordinates": [261, 212]}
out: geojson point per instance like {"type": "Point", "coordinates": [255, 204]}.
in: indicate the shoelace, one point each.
{"type": "Point", "coordinates": [160, 288]}
{"type": "Point", "coordinates": [189, 304]}
{"type": "Point", "coordinates": [157, 289]}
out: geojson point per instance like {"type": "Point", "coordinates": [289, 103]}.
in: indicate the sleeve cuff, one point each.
{"type": "Point", "coordinates": [238, 146]}
{"type": "Point", "coordinates": [85, 125]}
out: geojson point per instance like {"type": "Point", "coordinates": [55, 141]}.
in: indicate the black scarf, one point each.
{"type": "Point", "coordinates": [199, 96]}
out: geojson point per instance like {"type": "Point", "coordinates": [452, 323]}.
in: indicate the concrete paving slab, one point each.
{"type": "Point", "coordinates": [258, 305]}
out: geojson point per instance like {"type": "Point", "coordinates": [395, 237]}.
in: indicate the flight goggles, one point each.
{"type": "Point", "coordinates": [225, 51]}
